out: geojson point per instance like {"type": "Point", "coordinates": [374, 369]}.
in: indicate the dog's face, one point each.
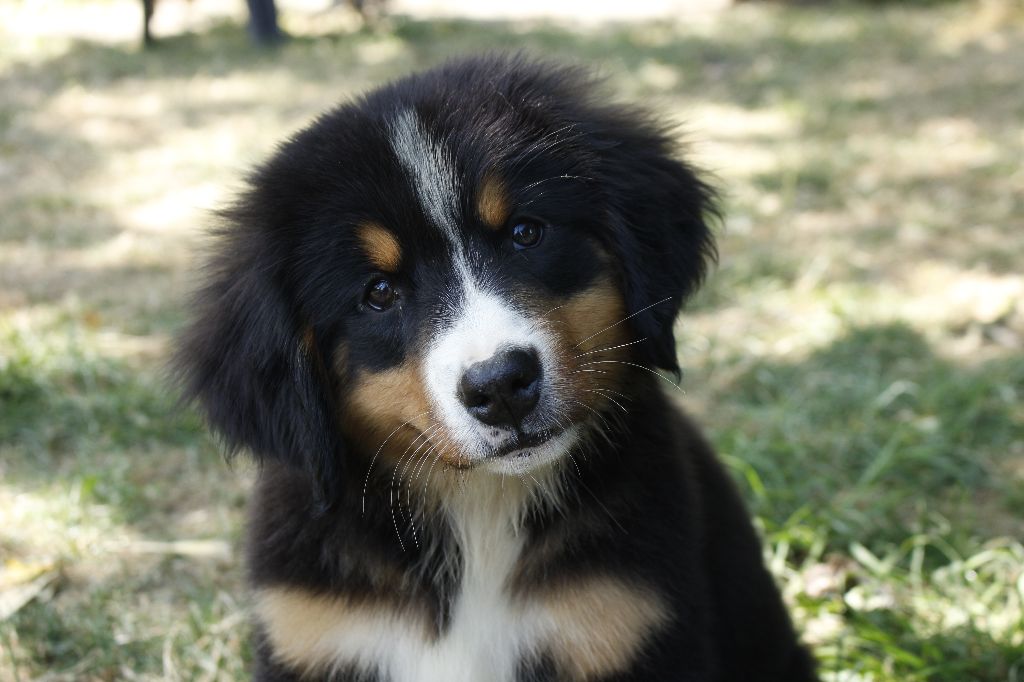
{"type": "Point", "coordinates": [463, 270]}
{"type": "Point", "coordinates": [477, 292]}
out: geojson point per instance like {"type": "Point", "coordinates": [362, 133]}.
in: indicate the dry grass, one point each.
{"type": "Point", "coordinates": [857, 355]}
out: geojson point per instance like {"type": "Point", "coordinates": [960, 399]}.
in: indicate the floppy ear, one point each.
{"type": "Point", "coordinates": [659, 214]}
{"type": "Point", "coordinates": [254, 369]}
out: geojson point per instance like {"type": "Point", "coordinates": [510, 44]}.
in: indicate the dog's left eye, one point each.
{"type": "Point", "coordinates": [380, 295]}
{"type": "Point", "coordinates": [526, 234]}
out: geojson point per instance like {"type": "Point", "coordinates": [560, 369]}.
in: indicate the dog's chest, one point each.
{"type": "Point", "coordinates": [488, 633]}
{"type": "Point", "coordinates": [484, 639]}
{"type": "Point", "coordinates": [590, 628]}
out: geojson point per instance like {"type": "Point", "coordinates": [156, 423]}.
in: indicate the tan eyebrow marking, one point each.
{"type": "Point", "coordinates": [380, 245]}
{"type": "Point", "coordinates": [492, 203]}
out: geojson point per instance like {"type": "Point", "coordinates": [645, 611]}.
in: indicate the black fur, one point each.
{"type": "Point", "coordinates": [654, 504]}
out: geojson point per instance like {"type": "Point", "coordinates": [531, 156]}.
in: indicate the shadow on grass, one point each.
{"type": "Point", "coordinates": [875, 438]}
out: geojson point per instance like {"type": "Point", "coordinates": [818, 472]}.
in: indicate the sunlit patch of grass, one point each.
{"type": "Point", "coordinates": [90, 441]}
{"type": "Point", "coordinates": [920, 611]}
{"type": "Point", "coordinates": [131, 622]}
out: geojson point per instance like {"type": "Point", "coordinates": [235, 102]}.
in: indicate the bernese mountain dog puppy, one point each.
{"type": "Point", "coordinates": [436, 318]}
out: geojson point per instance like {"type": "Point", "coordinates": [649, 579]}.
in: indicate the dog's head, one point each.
{"type": "Point", "coordinates": [465, 267]}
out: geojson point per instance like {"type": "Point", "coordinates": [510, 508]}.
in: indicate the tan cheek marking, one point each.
{"type": "Point", "coordinates": [380, 398]}
{"type": "Point", "coordinates": [381, 246]}
{"type": "Point", "coordinates": [591, 344]}
{"type": "Point", "coordinates": [599, 626]}
{"type": "Point", "coordinates": [493, 203]}
{"type": "Point", "coordinates": [589, 316]}
{"type": "Point", "coordinates": [378, 403]}
{"type": "Point", "coordinates": [310, 632]}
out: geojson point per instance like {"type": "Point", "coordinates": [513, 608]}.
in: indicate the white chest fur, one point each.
{"type": "Point", "coordinates": [488, 633]}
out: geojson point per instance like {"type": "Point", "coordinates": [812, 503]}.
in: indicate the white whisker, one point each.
{"type": "Point", "coordinates": [633, 364]}
{"type": "Point", "coordinates": [607, 397]}
{"type": "Point", "coordinates": [366, 482]}
{"type": "Point", "coordinates": [393, 487]}
{"type": "Point", "coordinates": [605, 350]}
{"type": "Point", "coordinates": [611, 326]}
{"type": "Point", "coordinates": [598, 414]}
{"type": "Point", "coordinates": [556, 177]}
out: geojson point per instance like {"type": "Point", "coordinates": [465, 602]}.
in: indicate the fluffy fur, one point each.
{"type": "Point", "coordinates": [496, 221]}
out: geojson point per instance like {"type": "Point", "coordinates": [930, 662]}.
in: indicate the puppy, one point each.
{"type": "Point", "coordinates": [436, 318]}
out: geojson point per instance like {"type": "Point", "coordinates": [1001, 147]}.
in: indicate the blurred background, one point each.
{"type": "Point", "coordinates": [858, 355]}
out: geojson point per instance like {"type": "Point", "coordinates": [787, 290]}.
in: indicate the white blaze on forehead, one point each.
{"type": "Point", "coordinates": [482, 322]}
{"type": "Point", "coordinates": [431, 170]}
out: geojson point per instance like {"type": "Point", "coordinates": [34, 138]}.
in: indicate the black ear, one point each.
{"type": "Point", "coordinates": [659, 213]}
{"type": "Point", "coordinates": [253, 366]}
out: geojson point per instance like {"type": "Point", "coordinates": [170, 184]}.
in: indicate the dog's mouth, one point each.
{"type": "Point", "coordinates": [520, 443]}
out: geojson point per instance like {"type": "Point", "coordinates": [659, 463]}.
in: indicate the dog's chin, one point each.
{"type": "Point", "coordinates": [539, 451]}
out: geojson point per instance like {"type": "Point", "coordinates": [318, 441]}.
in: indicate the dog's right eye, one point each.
{"type": "Point", "coordinates": [526, 234]}
{"type": "Point", "coordinates": [380, 295]}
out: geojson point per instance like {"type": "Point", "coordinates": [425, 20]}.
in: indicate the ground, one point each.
{"type": "Point", "coordinates": [856, 355]}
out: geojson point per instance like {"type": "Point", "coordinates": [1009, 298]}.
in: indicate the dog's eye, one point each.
{"type": "Point", "coordinates": [380, 295]}
{"type": "Point", "coordinates": [526, 234]}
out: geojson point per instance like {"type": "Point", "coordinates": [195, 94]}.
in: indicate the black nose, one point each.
{"type": "Point", "coordinates": [502, 389]}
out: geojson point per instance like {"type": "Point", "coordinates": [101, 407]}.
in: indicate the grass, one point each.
{"type": "Point", "coordinates": [856, 357]}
